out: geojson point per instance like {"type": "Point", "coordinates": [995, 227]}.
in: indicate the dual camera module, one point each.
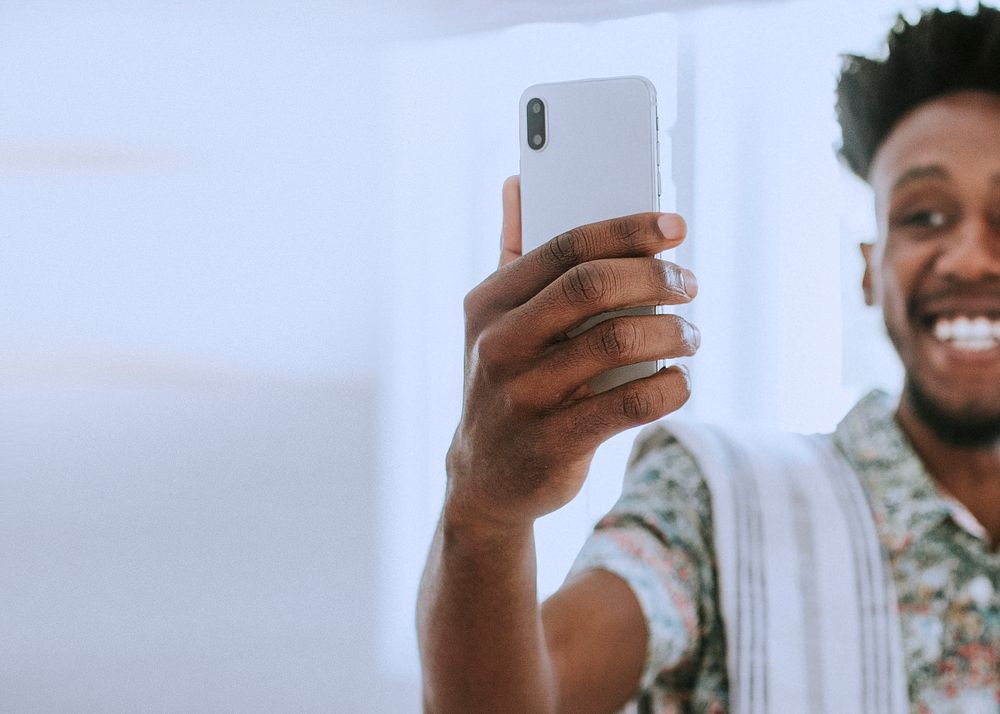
{"type": "Point", "coordinates": [536, 123]}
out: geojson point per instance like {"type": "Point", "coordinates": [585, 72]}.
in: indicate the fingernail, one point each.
{"type": "Point", "coordinates": [688, 282]}
{"type": "Point", "coordinates": [692, 335]}
{"type": "Point", "coordinates": [671, 225]}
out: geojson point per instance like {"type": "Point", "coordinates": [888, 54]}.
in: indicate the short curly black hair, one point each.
{"type": "Point", "coordinates": [942, 52]}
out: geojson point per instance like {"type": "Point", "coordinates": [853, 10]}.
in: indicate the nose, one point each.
{"type": "Point", "coordinates": [973, 252]}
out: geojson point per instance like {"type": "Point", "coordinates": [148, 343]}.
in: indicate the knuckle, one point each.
{"type": "Point", "coordinates": [479, 308]}
{"type": "Point", "coordinates": [566, 249]}
{"type": "Point", "coordinates": [651, 399]}
{"type": "Point", "coordinates": [474, 311]}
{"type": "Point", "coordinates": [490, 351]}
{"type": "Point", "coordinates": [618, 339]}
{"type": "Point", "coordinates": [472, 303]}
{"type": "Point", "coordinates": [625, 232]}
{"type": "Point", "coordinates": [585, 283]}
{"type": "Point", "coordinates": [639, 405]}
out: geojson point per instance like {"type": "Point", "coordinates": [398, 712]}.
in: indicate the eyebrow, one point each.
{"type": "Point", "coordinates": [917, 173]}
{"type": "Point", "coordinates": [921, 172]}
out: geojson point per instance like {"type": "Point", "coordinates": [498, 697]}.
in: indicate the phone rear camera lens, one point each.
{"type": "Point", "coordinates": [535, 133]}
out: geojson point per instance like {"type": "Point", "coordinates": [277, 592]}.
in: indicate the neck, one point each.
{"type": "Point", "coordinates": [970, 474]}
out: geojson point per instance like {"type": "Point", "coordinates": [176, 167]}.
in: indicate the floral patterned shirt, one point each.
{"type": "Point", "coordinates": [658, 538]}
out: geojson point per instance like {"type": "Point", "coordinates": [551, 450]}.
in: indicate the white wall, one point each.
{"type": "Point", "coordinates": [188, 331]}
{"type": "Point", "coordinates": [186, 186]}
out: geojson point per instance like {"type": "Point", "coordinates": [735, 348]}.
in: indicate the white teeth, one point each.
{"type": "Point", "coordinates": [961, 328]}
{"type": "Point", "coordinates": [942, 330]}
{"type": "Point", "coordinates": [977, 334]}
{"type": "Point", "coordinates": [981, 329]}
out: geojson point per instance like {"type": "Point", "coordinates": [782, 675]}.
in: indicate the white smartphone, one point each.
{"type": "Point", "coordinates": [589, 151]}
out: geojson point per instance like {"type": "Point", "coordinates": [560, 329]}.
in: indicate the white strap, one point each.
{"type": "Point", "coordinates": [808, 604]}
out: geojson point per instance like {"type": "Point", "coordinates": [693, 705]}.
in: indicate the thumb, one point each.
{"type": "Point", "coordinates": [510, 237]}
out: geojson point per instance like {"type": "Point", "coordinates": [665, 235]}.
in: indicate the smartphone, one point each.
{"type": "Point", "coordinates": [589, 151]}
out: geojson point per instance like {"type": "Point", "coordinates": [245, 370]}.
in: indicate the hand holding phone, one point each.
{"type": "Point", "coordinates": [549, 323]}
{"type": "Point", "coordinates": [530, 423]}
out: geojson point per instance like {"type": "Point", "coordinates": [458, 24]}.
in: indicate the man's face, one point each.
{"type": "Point", "coordinates": [936, 266]}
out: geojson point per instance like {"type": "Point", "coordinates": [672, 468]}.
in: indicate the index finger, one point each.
{"type": "Point", "coordinates": [641, 234]}
{"type": "Point", "coordinates": [510, 236]}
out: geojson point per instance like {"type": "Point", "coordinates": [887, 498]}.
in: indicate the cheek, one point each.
{"type": "Point", "coordinates": [901, 269]}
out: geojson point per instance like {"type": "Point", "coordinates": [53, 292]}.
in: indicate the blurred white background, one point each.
{"type": "Point", "coordinates": [234, 242]}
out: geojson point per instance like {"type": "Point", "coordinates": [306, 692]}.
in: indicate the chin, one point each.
{"type": "Point", "coordinates": [968, 424]}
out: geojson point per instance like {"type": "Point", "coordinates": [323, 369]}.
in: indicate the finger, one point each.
{"type": "Point", "coordinates": [510, 236]}
{"type": "Point", "coordinates": [641, 234]}
{"type": "Point", "coordinates": [593, 288]}
{"type": "Point", "coordinates": [612, 343]}
{"type": "Point", "coordinates": [594, 420]}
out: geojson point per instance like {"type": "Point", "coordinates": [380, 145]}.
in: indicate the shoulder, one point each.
{"type": "Point", "coordinates": [661, 466]}
{"type": "Point", "coordinates": [664, 492]}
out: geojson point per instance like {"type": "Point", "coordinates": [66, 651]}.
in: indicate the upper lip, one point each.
{"type": "Point", "coordinates": [957, 302]}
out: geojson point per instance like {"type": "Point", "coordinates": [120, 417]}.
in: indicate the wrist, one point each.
{"type": "Point", "coordinates": [463, 522]}
{"type": "Point", "coordinates": [472, 514]}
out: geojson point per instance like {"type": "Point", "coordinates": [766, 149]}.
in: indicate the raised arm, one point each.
{"type": "Point", "coordinates": [529, 428]}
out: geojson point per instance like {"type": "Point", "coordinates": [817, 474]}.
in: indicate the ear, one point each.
{"type": "Point", "coordinates": [866, 281]}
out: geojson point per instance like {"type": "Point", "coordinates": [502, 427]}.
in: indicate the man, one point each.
{"type": "Point", "coordinates": [641, 621]}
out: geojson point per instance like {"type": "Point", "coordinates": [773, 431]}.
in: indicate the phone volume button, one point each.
{"type": "Point", "coordinates": [657, 182]}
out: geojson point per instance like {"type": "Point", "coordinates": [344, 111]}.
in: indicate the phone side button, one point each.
{"type": "Point", "coordinates": [657, 182]}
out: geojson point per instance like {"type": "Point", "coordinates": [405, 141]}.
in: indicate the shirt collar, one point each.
{"type": "Point", "coordinates": [903, 496]}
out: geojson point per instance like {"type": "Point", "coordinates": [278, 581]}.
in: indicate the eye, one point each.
{"type": "Point", "coordinates": [923, 219]}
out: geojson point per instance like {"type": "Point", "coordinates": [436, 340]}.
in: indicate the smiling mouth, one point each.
{"type": "Point", "coordinates": [974, 333]}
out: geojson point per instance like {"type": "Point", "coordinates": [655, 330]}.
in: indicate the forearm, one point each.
{"type": "Point", "coordinates": [481, 639]}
